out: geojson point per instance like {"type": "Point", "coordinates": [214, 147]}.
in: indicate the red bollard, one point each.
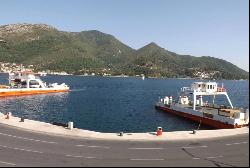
{"type": "Point", "coordinates": [159, 131]}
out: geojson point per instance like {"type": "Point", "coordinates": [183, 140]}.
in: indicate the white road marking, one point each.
{"type": "Point", "coordinates": [193, 147]}
{"type": "Point", "coordinates": [196, 158]}
{"type": "Point", "coordinates": [80, 145]}
{"type": "Point", "coordinates": [147, 148]}
{"type": "Point", "coordinates": [27, 150]}
{"type": "Point", "coordinates": [7, 163]}
{"type": "Point", "coordinates": [93, 146]}
{"type": "Point", "coordinates": [36, 140]}
{"type": "Point", "coordinates": [236, 143]}
{"type": "Point", "coordinates": [106, 147]}
{"type": "Point", "coordinates": [89, 157]}
{"type": "Point", "coordinates": [213, 157]}
{"type": "Point", "coordinates": [147, 159]}
{"type": "Point", "coordinates": [75, 156]}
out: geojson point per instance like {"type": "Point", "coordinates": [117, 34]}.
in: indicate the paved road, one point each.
{"type": "Point", "coordinates": [24, 148]}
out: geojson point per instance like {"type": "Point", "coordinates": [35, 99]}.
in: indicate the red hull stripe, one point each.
{"type": "Point", "coordinates": [206, 121]}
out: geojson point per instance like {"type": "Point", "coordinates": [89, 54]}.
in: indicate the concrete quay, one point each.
{"type": "Point", "coordinates": [47, 128]}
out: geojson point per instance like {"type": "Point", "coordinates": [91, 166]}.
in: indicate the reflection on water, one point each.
{"type": "Point", "coordinates": [43, 107]}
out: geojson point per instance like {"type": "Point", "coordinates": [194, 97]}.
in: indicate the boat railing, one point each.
{"type": "Point", "coordinates": [221, 89]}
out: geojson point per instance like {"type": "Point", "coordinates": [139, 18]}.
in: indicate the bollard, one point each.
{"type": "Point", "coordinates": [70, 125]}
{"type": "Point", "coordinates": [121, 134]}
{"type": "Point", "coordinates": [159, 131]}
{"type": "Point", "coordinates": [22, 119]}
{"type": "Point", "coordinates": [194, 131]}
{"type": "Point", "coordinates": [8, 115]}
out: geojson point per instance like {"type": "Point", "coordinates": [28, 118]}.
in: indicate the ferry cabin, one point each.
{"type": "Point", "coordinates": [25, 80]}
{"type": "Point", "coordinates": [203, 89]}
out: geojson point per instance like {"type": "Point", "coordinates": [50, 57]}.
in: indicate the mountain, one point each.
{"type": "Point", "coordinates": [93, 51]}
{"type": "Point", "coordinates": [48, 48]}
{"type": "Point", "coordinates": [157, 61]}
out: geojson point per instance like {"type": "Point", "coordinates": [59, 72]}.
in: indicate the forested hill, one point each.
{"type": "Point", "coordinates": [93, 51]}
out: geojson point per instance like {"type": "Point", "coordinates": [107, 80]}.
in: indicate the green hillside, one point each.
{"type": "Point", "coordinates": [157, 61]}
{"type": "Point", "coordinates": [93, 51]}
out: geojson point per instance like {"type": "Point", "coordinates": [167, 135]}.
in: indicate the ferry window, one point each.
{"type": "Point", "coordinates": [210, 86]}
{"type": "Point", "coordinates": [207, 86]}
{"type": "Point", "coordinates": [33, 82]}
{"type": "Point", "coordinates": [17, 80]}
{"type": "Point", "coordinates": [213, 86]}
{"type": "Point", "coordinates": [24, 83]}
{"type": "Point", "coordinates": [199, 85]}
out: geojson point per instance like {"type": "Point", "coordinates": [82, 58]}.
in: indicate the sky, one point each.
{"type": "Point", "coordinates": [217, 28]}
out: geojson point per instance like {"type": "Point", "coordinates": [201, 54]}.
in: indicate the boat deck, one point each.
{"type": "Point", "coordinates": [202, 109]}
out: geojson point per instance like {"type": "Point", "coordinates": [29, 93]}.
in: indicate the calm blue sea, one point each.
{"type": "Point", "coordinates": [112, 104]}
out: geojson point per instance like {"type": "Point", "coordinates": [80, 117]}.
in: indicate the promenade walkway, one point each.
{"type": "Point", "coordinates": [42, 127]}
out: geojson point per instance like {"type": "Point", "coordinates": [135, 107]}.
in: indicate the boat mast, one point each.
{"type": "Point", "coordinates": [194, 102]}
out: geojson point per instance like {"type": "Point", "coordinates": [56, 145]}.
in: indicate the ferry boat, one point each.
{"type": "Point", "coordinates": [191, 106]}
{"type": "Point", "coordinates": [26, 83]}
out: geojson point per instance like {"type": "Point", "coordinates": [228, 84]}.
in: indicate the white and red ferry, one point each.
{"type": "Point", "coordinates": [192, 106]}
{"type": "Point", "coordinates": [26, 83]}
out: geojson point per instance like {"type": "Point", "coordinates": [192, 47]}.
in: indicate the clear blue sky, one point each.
{"type": "Point", "coordinates": [218, 28]}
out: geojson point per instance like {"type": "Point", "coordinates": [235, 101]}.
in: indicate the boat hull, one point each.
{"type": "Point", "coordinates": [203, 120]}
{"type": "Point", "coordinates": [21, 92]}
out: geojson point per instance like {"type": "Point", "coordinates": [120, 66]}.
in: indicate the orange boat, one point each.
{"type": "Point", "coordinates": [26, 83]}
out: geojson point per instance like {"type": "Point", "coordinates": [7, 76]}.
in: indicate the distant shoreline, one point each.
{"type": "Point", "coordinates": [126, 76]}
